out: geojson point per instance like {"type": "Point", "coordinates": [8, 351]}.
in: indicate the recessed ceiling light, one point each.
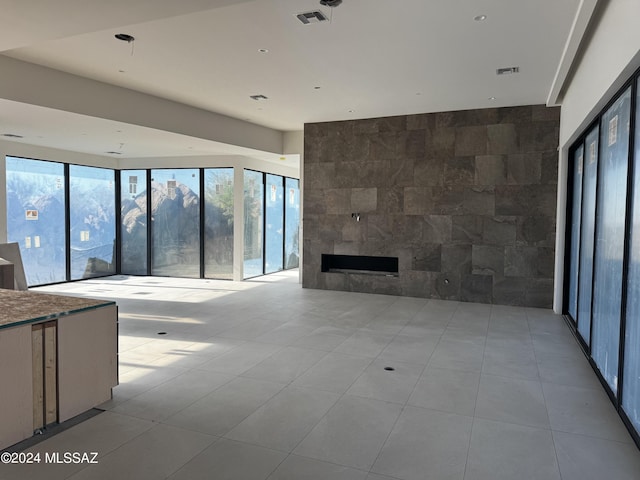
{"type": "Point", "coordinates": [12, 135]}
{"type": "Point", "coordinates": [352, 111]}
{"type": "Point", "coordinates": [317, 88]}
{"type": "Point", "coordinates": [125, 37]}
{"type": "Point", "coordinates": [491, 98]}
{"type": "Point", "coordinates": [480, 18]}
{"type": "Point", "coordinates": [258, 97]}
{"type": "Point", "coordinates": [263, 50]}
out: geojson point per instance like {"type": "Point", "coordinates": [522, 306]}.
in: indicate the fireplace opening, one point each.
{"type": "Point", "coordinates": [360, 264]}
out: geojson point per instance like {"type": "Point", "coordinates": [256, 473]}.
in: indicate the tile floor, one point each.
{"type": "Point", "coordinates": [266, 380]}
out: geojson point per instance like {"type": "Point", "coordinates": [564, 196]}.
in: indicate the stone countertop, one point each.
{"type": "Point", "coordinates": [17, 307]}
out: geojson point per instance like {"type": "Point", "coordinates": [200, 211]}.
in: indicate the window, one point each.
{"type": "Point", "coordinates": [175, 222]}
{"type": "Point", "coordinates": [92, 221]}
{"type": "Point", "coordinates": [292, 224]}
{"type": "Point", "coordinates": [631, 391]}
{"type": "Point", "coordinates": [133, 218]}
{"type": "Point", "coordinates": [253, 223]}
{"type": "Point", "coordinates": [274, 224]}
{"type": "Point", "coordinates": [604, 245]}
{"type": "Point", "coordinates": [587, 229]}
{"type": "Point", "coordinates": [610, 233]}
{"type": "Point", "coordinates": [218, 223]}
{"type": "Point", "coordinates": [36, 217]}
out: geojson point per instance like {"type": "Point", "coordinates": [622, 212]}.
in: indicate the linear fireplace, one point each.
{"type": "Point", "coordinates": [361, 264]}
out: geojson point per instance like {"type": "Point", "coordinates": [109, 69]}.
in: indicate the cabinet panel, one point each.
{"type": "Point", "coordinates": [87, 360]}
{"type": "Point", "coordinates": [16, 414]}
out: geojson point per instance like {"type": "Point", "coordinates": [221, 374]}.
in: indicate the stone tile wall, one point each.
{"type": "Point", "coordinates": [466, 200]}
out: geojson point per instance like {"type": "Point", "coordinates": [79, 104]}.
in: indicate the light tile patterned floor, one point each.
{"type": "Point", "coordinates": [266, 380]}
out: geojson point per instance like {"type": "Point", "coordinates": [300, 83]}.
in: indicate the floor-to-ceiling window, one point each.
{"type": "Point", "coordinates": [574, 258]}
{"type": "Point", "coordinates": [631, 377]}
{"type": "Point", "coordinates": [292, 224]}
{"type": "Point", "coordinates": [603, 250]}
{"type": "Point", "coordinates": [36, 217]}
{"type": "Point", "coordinates": [587, 234]}
{"type": "Point", "coordinates": [253, 223]}
{"type": "Point", "coordinates": [134, 222]}
{"type": "Point", "coordinates": [274, 224]}
{"type": "Point", "coordinates": [183, 236]}
{"type": "Point", "coordinates": [92, 221]}
{"type": "Point", "coordinates": [175, 222]}
{"type": "Point", "coordinates": [610, 231]}
{"type": "Point", "coordinates": [218, 223]}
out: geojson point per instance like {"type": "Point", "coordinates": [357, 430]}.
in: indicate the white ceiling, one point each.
{"type": "Point", "coordinates": [375, 58]}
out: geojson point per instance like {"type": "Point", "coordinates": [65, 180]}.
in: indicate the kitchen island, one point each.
{"type": "Point", "coordinates": [58, 359]}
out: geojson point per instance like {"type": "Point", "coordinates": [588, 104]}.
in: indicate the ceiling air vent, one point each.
{"type": "Point", "coordinates": [312, 17]}
{"type": "Point", "coordinates": [507, 70]}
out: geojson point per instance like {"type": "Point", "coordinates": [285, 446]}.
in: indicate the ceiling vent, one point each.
{"type": "Point", "coordinates": [312, 17]}
{"type": "Point", "coordinates": [507, 70]}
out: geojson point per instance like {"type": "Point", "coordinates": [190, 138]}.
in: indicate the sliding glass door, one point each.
{"type": "Point", "coordinates": [587, 229]}
{"type": "Point", "coordinates": [631, 390]}
{"type": "Point", "coordinates": [602, 294]}
{"type": "Point", "coordinates": [574, 253]}
{"type": "Point", "coordinates": [610, 232]}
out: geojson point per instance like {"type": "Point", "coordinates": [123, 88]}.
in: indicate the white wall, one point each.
{"type": "Point", "coordinates": [610, 55]}
{"type": "Point", "coordinates": [37, 85]}
{"type": "Point", "coordinates": [607, 58]}
{"type": "Point", "coordinates": [208, 161]}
